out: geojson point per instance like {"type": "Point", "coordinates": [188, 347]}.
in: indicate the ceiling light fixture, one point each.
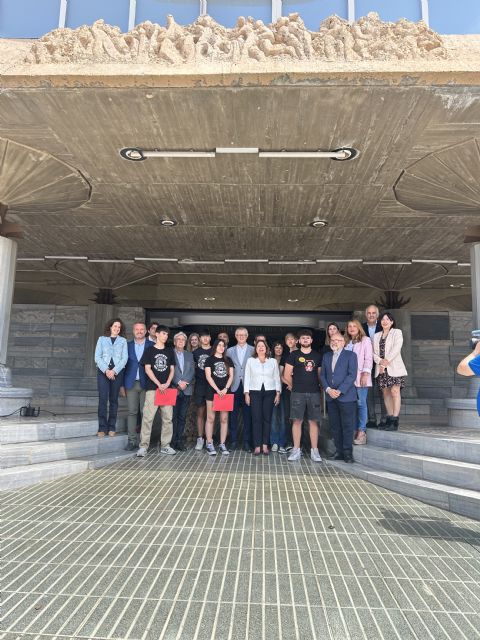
{"type": "Point", "coordinates": [463, 264]}
{"type": "Point", "coordinates": [380, 262]}
{"type": "Point", "coordinates": [337, 154]}
{"type": "Point", "coordinates": [246, 260]}
{"type": "Point", "coordinates": [209, 298]}
{"type": "Point", "coordinates": [291, 262]}
{"type": "Point", "coordinates": [316, 224]}
{"type": "Point", "coordinates": [418, 261]}
{"type": "Point", "coordinates": [225, 150]}
{"type": "Point", "coordinates": [168, 223]}
{"type": "Point", "coordinates": [138, 155]}
{"type": "Point", "coordinates": [188, 261]}
{"type": "Point", "coordinates": [327, 260]}
{"type": "Point", "coordinates": [66, 258]}
{"type": "Point", "coordinates": [156, 259]}
{"type": "Point", "coordinates": [293, 300]}
{"type": "Point", "coordinates": [111, 261]}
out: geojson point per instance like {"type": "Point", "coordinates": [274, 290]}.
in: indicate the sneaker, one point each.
{"type": "Point", "coordinates": [223, 450]}
{"type": "Point", "coordinates": [211, 449]}
{"type": "Point", "coordinates": [168, 450]}
{"type": "Point", "coordinates": [142, 452]}
{"type": "Point", "coordinates": [288, 448]}
{"type": "Point", "coordinates": [274, 448]}
{"type": "Point", "coordinates": [296, 454]}
{"type": "Point", "coordinates": [282, 450]}
{"type": "Point", "coordinates": [199, 445]}
{"type": "Point", "coordinates": [361, 438]}
{"type": "Point", "coordinates": [315, 456]}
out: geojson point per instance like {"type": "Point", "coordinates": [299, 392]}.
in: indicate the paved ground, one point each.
{"type": "Point", "coordinates": [192, 547]}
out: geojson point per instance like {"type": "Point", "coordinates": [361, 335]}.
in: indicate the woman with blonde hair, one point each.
{"type": "Point", "coordinates": [359, 343]}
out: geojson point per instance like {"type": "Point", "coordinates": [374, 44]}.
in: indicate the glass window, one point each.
{"type": "Point", "coordinates": [28, 18]}
{"type": "Point", "coordinates": [314, 11]}
{"type": "Point", "coordinates": [183, 11]}
{"type": "Point", "coordinates": [226, 13]}
{"type": "Point", "coordinates": [390, 10]}
{"type": "Point", "coordinates": [461, 17]}
{"type": "Point", "coordinates": [114, 12]}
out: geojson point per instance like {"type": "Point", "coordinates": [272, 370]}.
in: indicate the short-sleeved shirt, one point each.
{"type": "Point", "coordinates": [283, 362]}
{"type": "Point", "coordinates": [305, 371]}
{"type": "Point", "coordinates": [219, 370]}
{"type": "Point", "coordinates": [200, 356]}
{"type": "Point", "coordinates": [160, 360]}
{"type": "Point", "coordinates": [475, 367]}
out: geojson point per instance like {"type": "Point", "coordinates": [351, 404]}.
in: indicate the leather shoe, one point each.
{"type": "Point", "coordinates": [232, 446]}
{"type": "Point", "coordinates": [336, 456]}
{"type": "Point", "coordinates": [348, 458]}
{"type": "Point", "coordinates": [247, 448]}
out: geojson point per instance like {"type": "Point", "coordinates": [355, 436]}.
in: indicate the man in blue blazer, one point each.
{"type": "Point", "coordinates": [338, 375]}
{"type": "Point", "coordinates": [182, 380]}
{"type": "Point", "coordinates": [134, 380]}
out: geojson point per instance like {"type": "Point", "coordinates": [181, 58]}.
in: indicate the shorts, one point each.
{"type": "Point", "coordinates": [305, 405]}
{"type": "Point", "coordinates": [199, 396]}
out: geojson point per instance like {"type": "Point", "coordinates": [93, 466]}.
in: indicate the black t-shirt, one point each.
{"type": "Point", "coordinates": [200, 356]}
{"type": "Point", "coordinates": [219, 370]}
{"type": "Point", "coordinates": [305, 370]}
{"type": "Point", "coordinates": [283, 362]}
{"type": "Point", "coordinates": [160, 360]}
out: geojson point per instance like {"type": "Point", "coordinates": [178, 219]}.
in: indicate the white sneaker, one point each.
{"type": "Point", "coordinates": [199, 445]}
{"type": "Point", "coordinates": [315, 456]}
{"type": "Point", "coordinates": [223, 450]}
{"type": "Point", "coordinates": [296, 454]}
{"type": "Point", "coordinates": [168, 450]}
{"type": "Point", "coordinates": [142, 452]}
{"type": "Point", "coordinates": [211, 449]}
{"type": "Point", "coordinates": [274, 448]}
{"type": "Point", "coordinates": [282, 450]}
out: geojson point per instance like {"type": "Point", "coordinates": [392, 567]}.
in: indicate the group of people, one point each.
{"type": "Point", "coordinates": [277, 389]}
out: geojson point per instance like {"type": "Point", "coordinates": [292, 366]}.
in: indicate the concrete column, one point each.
{"type": "Point", "coordinates": [8, 261]}
{"type": "Point", "coordinates": [98, 316]}
{"type": "Point", "coordinates": [475, 273]}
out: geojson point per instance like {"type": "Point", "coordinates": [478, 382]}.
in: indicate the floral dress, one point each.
{"type": "Point", "coordinates": [386, 381]}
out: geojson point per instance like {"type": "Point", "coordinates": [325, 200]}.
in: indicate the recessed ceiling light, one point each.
{"type": "Point", "coordinates": [209, 298]}
{"type": "Point", "coordinates": [455, 286]}
{"type": "Point", "coordinates": [199, 284]}
{"type": "Point", "coordinates": [318, 223]}
{"type": "Point", "coordinates": [293, 300]}
{"type": "Point", "coordinates": [168, 223]}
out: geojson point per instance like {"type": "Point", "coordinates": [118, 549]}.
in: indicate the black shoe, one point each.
{"type": "Point", "coordinates": [232, 446]}
{"type": "Point", "coordinates": [382, 425]}
{"type": "Point", "coordinates": [131, 447]}
{"type": "Point", "coordinates": [247, 448]}
{"type": "Point", "coordinates": [390, 425]}
{"type": "Point", "coordinates": [348, 457]}
{"type": "Point", "coordinates": [180, 447]}
{"type": "Point", "coordinates": [337, 456]}
{"type": "Point", "coordinates": [372, 424]}
{"type": "Point", "coordinates": [394, 424]}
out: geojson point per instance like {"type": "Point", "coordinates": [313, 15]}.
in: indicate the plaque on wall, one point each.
{"type": "Point", "coordinates": [430, 327]}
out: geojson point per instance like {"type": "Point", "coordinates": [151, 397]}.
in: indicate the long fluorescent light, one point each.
{"type": "Point", "coordinates": [112, 261]}
{"type": "Point", "coordinates": [291, 262]}
{"type": "Point", "coordinates": [434, 261]}
{"type": "Point", "coordinates": [339, 260]}
{"type": "Point", "coordinates": [30, 259]}
{"type": "Point", "coordinates": [342, 154]}
{"type": "Point", "coordinates": [178, 154]}
{"type": "Point", "coordinates": [156, 259]}
{"type": "Point", "coordinates": [246, 260]}
{"type": "Point", "coordinates": [201, 262]}
{"type": "Point", "coordinates": [380, 262]}
{"type": "Point", "coordinates": [66, 258]}
{"type": "Point", "coordinates": [463, 264]}
{"type": "Point", "coordinates": [237, 150]}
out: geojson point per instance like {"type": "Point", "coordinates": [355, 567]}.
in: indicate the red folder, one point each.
{"type": "Point", "coordinates": [167, 399]}
{"type": "Point", "coordinates": [223, 404]}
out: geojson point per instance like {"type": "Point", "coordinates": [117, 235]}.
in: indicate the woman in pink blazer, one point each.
{"type": "Point", "coordinates": [390, 370]}
{"type": "Point", "coordinates": [359, 343]}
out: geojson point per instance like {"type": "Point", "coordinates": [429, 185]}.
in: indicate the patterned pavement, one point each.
{"type": "Point", "coordinates": [190, 547]}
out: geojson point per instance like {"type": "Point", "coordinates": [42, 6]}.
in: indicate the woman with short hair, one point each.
{"type": "Point", "coordinates": [111, 355]}
{"type": "Point", "coordinates": [390, 370]}
{"type": "Point", "coordinates": [359, 343]}
{"type": "Point", "coordinates": [262, 388]}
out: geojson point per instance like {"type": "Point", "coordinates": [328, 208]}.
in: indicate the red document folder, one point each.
{"type": "Point", "coordinates": [223, 404]}
{"type": "Point", "coordinates": [167, 399]}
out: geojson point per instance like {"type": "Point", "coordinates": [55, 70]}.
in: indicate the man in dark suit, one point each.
{"type": "Point", "coordinates": [134, 381]}
{"type": "Point", "coordinates": [371, 327]}
{"type": "Point", "coordinates": [338, 375]}
{"type": "Point", "coordinates": [182, 381]}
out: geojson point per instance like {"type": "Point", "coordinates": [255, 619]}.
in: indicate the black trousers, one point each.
{"type": "Point", "coordinates": [343, 421]}
{"type": "Point", "coordinates": [261, 403]}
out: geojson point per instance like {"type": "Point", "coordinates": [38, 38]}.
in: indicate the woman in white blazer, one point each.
{"type": "Point", "coordinates": [390, 371]}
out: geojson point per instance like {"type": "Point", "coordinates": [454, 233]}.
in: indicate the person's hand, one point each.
{"type": "Point", "coordinates": [162, 387]}
{"type": "Point", "coordinates": [122, 393]}
{"type": "Point", "coordinates": [222, 392]}
{"type": "Point", "coordinates": [247, 399]}
{"type": "Point", "coordinates": [384, 363]}
{"type": "Point", "coordinates": [381, 369]}
{"type": "Point", "coordinates": [333, 393]}
{"type": "Point", "coordinates": [276, 402]}
{"type": "Point", "coordinates": [110, 373]}
{"type": "Point", "coordinates": [289, 387]}
{"type": "Point", "coordinates": [182, 385]}
{"type": "Point", "coordinates": [364, 379]}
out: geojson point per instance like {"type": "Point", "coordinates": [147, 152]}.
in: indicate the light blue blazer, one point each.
{"type": "Point", "coordinates": [106, 351]}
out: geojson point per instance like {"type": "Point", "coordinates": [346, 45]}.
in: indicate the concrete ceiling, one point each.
{"type": "Point", "coordinates": [408, 195]}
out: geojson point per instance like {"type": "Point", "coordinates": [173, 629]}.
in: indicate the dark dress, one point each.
{"type": "Point", "coordinates": [384, 380]}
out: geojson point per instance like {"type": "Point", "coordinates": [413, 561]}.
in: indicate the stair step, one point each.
{"type": "Point", "coordinates": [456, 473]}
{"type": "Point", "coordinates": [104, 459]}
{"type": "Point", "coordinates": [16, 432]}
{"type": "Point", "coordinates": [440, 446]}
{"type": "Point", "coordinates": [462, 501]}
{"type": "Point", "coordinates": [32, 453]}
{"type": "Point", "coordinates": [26, 475]}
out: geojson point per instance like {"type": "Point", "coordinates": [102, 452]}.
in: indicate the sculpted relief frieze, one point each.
{"type": "Point", "coordinates": [205, 40]}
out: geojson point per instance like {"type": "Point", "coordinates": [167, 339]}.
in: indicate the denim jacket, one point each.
{"type": "Point", "coordinates": [106, 351]}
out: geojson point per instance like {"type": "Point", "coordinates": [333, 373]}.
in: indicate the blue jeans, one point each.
{"type": "Point", "coordinates": [277, 433]}
{"type": "Point", "coordinates": [240, 404]}
{"type": "Point", "coordinates": [108, 391]}
{"type": "Point", "coordinates": [179, 416]}
{"type": "Point", "coordinates": [362, 409]}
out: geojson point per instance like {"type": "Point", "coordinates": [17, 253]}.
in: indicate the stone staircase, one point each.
{"type": "Point", "coordinates": [38, 450]}
{"type": "Point", "coordinates": [441, 469]}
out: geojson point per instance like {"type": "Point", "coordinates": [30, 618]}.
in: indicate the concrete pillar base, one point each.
{"type": "Point", "coordinates": [12, 398]}
{"type": "Point", "coordinates": [463, 413]}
